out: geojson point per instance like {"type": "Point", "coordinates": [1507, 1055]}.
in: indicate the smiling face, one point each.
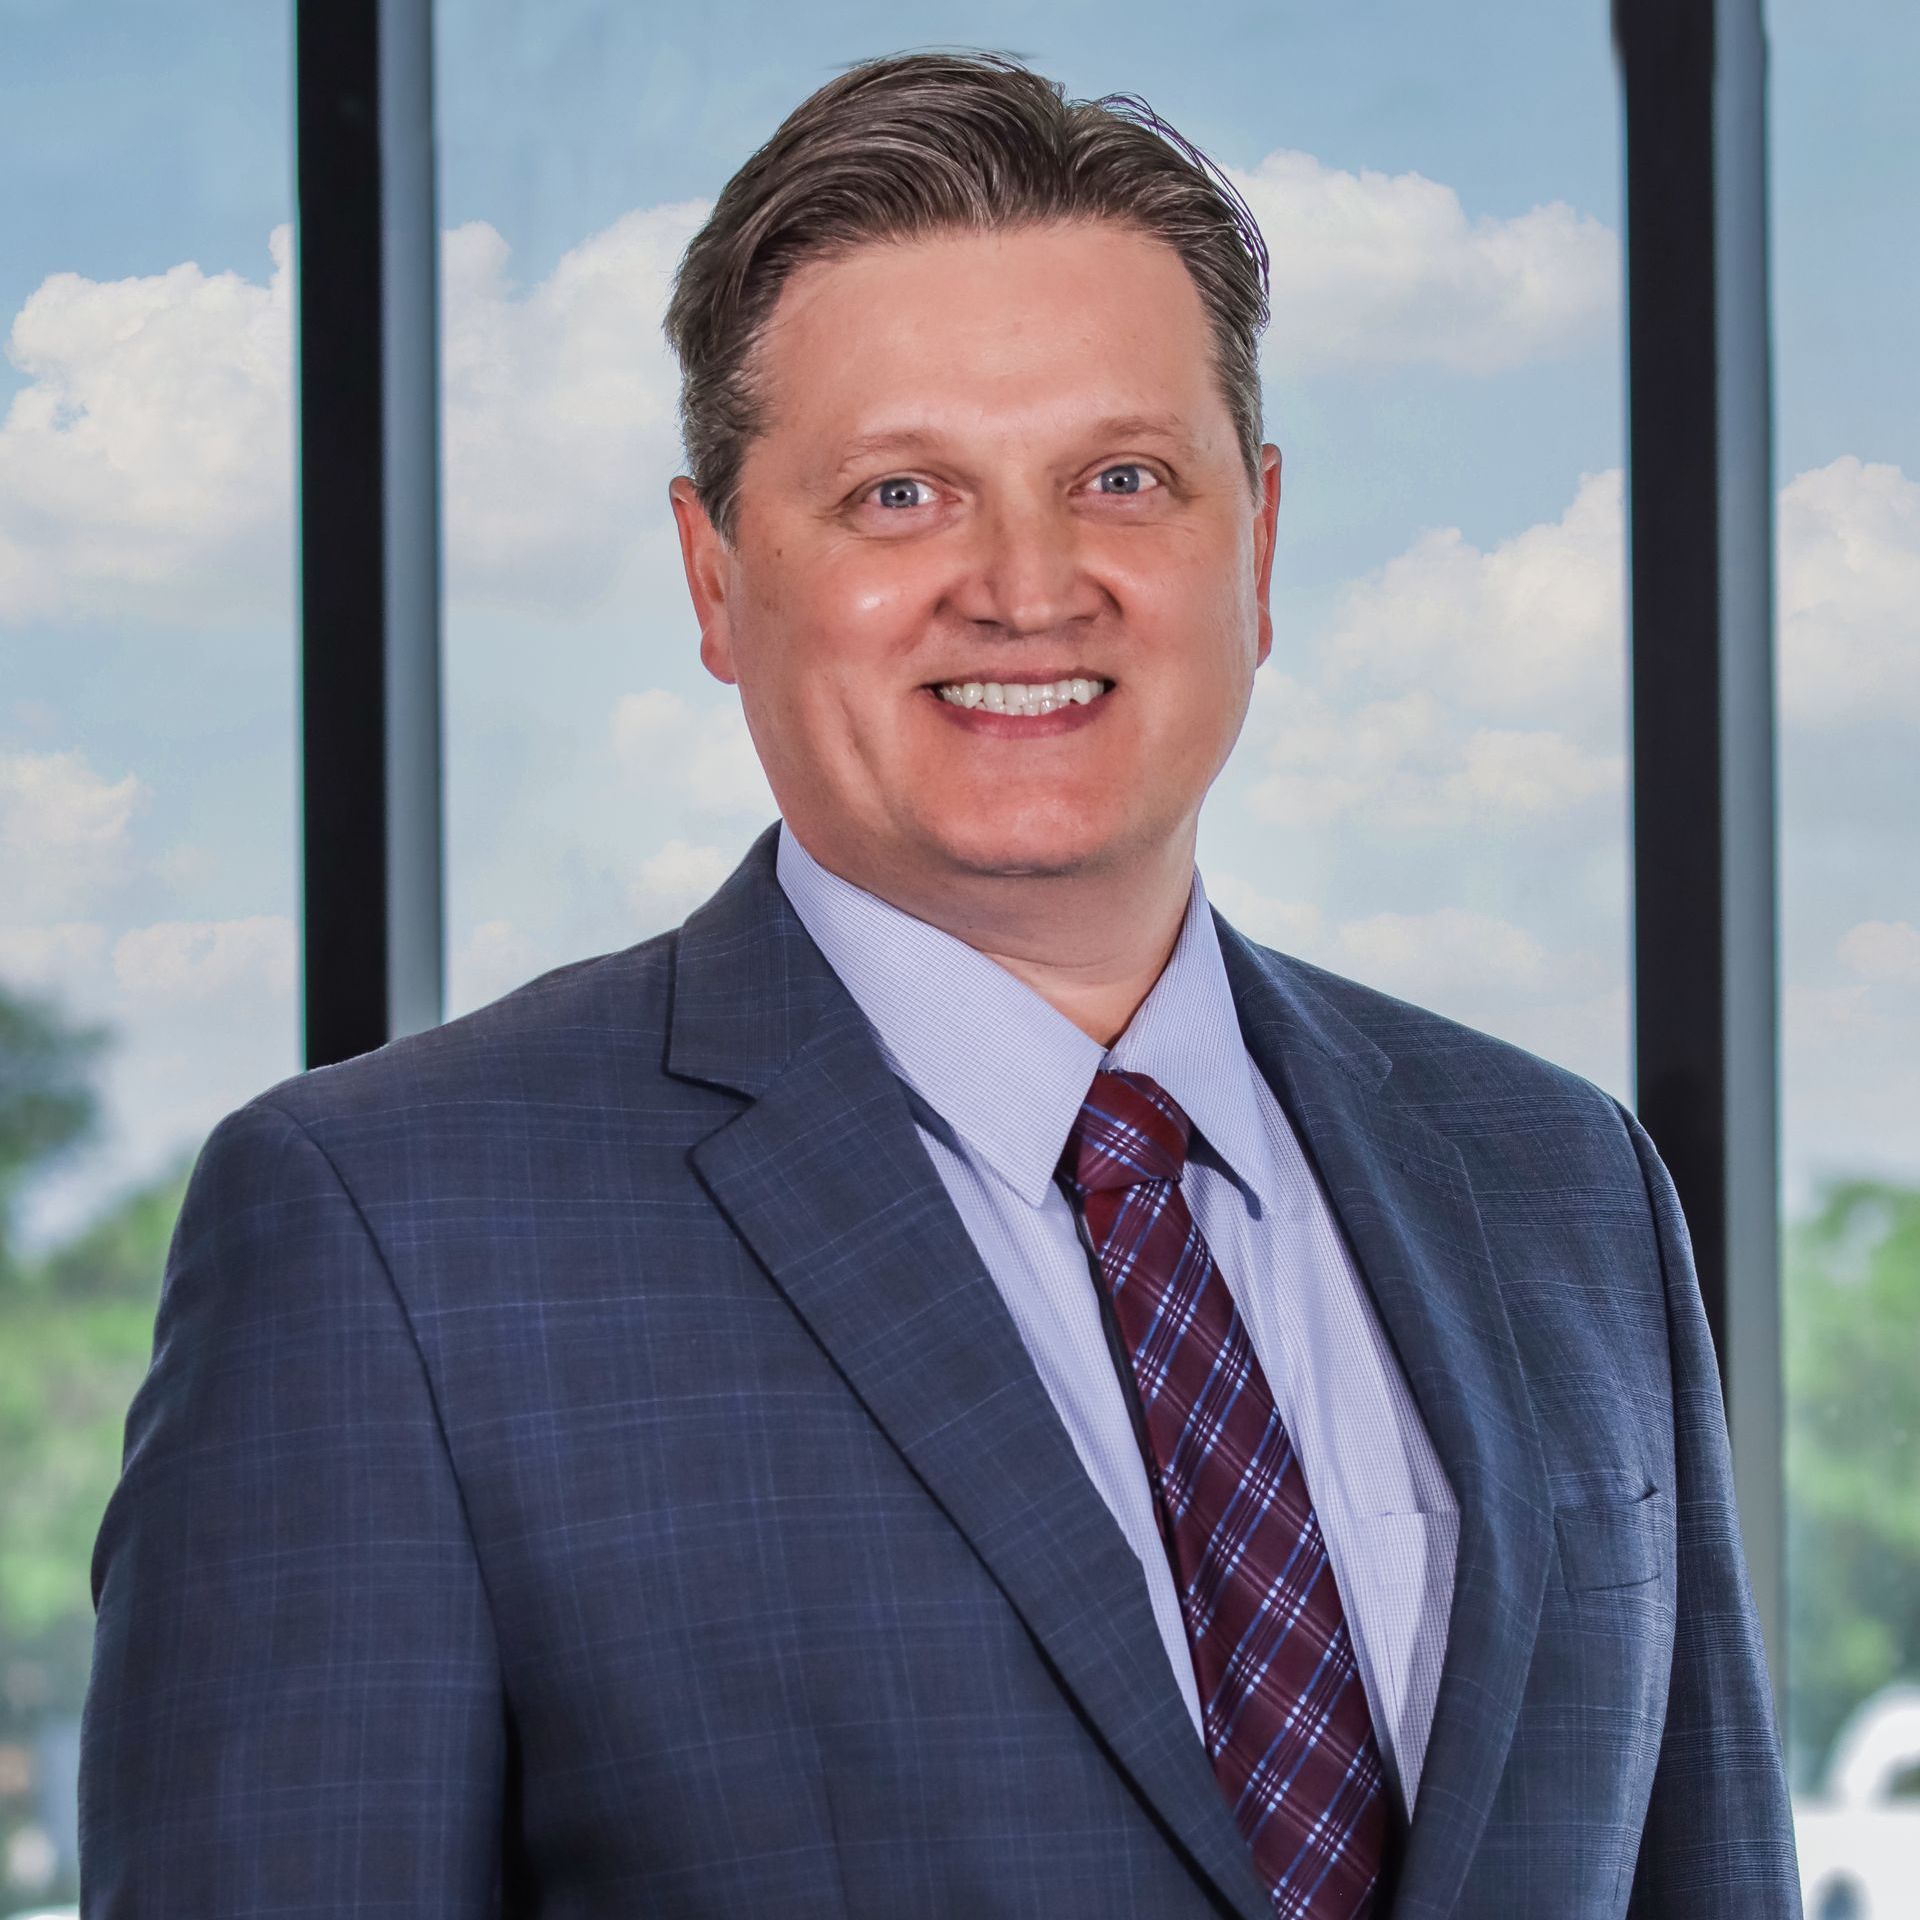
{"type": "Point", "coordinates": [990, 460]}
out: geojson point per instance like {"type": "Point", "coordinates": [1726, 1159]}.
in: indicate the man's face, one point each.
{"type": "Point", "coordinates": [996, 459]}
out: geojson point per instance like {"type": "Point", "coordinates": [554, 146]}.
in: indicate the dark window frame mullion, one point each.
{"type": "Point", "coordinates": [1700, 518]}
{"type": "Point", "coordinates": [366, 252]}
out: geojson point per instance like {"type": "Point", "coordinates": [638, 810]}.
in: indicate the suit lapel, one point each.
{"type": "Point", "coordinates": [824, 1177]}
{"type": "Point", "coordinates": [1403, 1195]}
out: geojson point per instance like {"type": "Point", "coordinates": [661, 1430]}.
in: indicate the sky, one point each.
{"type": "Point", "coordinates": [1430, 791]}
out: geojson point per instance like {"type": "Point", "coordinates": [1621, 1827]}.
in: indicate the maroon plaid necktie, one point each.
{"type": "Point", "coordinates": [1284, 1712]}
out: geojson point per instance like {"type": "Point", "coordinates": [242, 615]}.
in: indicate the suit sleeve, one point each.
{"type": "Point", "coordinates": [295, 1704]}
{"type": "Point", "coordinates": [1718, 1842]}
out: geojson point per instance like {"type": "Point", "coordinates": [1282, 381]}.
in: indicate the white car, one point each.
{"type": "Point", "coordinates": [1859, 1845]}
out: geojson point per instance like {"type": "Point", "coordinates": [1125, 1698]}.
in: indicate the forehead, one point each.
{"type": "Point", "coordinates": [986, 333]}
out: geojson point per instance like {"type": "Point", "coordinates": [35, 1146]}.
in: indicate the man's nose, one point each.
{"type": "Point", "coordinates": [1028, 568]}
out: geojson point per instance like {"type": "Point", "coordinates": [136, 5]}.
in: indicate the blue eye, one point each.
{"type": "Point", "coordinates": [887, 493]}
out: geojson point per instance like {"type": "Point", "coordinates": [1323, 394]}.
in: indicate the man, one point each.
{"type": "Point", "coordinates": [953, 1383]}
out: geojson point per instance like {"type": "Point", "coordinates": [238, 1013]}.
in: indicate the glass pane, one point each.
{"type": "Point", "coordinates": [147, 821]}
{"type": "Point", "coordinates": [1845, 177]}
{"type": "Point", "coordinates": [1429, 791]}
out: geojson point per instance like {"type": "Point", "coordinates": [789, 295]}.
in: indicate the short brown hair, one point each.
{"type": "Point", "coordinates": [911, 145]}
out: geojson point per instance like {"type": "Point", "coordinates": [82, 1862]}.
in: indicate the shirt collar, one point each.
{"type": "Point", "coordinates": [962, 1031]}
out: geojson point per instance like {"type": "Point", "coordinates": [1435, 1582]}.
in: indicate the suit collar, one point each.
{"type": "Point", "coordinates": [749, 986]}
{"type": "Point", "coordinates": [825, 1178]}
{"type": "Point", "coordinates": [748, 935]}
{"type": "Point", "coordinates": [956, 1026]}
{"type": "Point", "coordinates": [961, 1030]}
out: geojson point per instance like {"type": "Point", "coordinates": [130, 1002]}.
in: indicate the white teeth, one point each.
{"type": "Point", "coordinates": [1020, 697]}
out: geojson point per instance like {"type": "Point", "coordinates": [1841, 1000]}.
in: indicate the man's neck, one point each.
{"type": "Point", "coordinates": [1101, 996]}
{"type": "Point", "coordinates": [1090, 946]}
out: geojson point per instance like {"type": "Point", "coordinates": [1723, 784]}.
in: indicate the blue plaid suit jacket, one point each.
{"type": "Point", "coordinates": [586, 1469]}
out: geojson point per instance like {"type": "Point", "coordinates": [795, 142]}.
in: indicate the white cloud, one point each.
{"type": "Point", "coordinates": [1290, 925]}
{"type": "Point", "coordinates": [1514, 772]}
{"type": "Point", "coordinates": [54, 804]}
{"type": "Point", "coordinates": [642, 720]}
{"type": "Point", "coordinates": [1440, 953]}
{"type": "Point", "coordinates": [561, 430]}
{"type": "Point", "coordinates": [1546, 995]}
{"type": "Point", "coordinates": [1324, 762]}
{"type": "Point", "coordinates": [1808, 1011]}
{"type": "Point", "coordinates": [1408, 764]}
{"type": "Point", "coordinates": [64, 831]}
{"type": "Point", "coordinates": [1532, 628]}
{"type": "Point", "coordinates": [46, 957]}
{"type": "Point", "coordinates": [704, 754]}
{"type": "Point", "coordinates": [494, 958]}
{"type": "Point", "coordinates": [187, 866]}
{"type": "Point", "coordinates": [146, 468]}
{"type": "Point", "coordinates": [1458, 687]}
{"type": "Point", "coordinates": [1882, 950]}
{"type": "Point", "coordinates": [205, 959]}
{"type": "Point", "coordinates": [1371, 269]}
{"type": "Point", "coordinates": [680, 876]}
{"type": "Point", "coordinates": [1849, 589]}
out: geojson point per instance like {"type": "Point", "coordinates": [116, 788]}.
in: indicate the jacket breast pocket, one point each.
{"type": "Point", "coordinates": [1612, 1543]}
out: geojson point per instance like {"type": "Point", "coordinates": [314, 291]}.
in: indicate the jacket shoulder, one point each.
{"type": "Point", "coordinates": [1507, 1108]}
{"type": "Point", "coordinates": [570, 1029]}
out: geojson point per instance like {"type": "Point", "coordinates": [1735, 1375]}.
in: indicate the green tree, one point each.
{"type": "Point", "coordinates": [76, 1334]}
{"type": "Point", "coordinates": [1851, 1338]}
{"type": "Point", "coordinates": [64, 1320]}
{"type": "Point", "coordinates": [47, 1103]}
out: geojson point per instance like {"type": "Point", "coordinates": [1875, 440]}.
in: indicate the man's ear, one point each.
{"type": "Point", "coordinates": [1266, 515]}
{"type": "Point", "coordinates": [706, 559]}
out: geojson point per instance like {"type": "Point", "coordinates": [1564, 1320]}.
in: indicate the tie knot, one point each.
{"type": "Point", "coordinates": [1129, 1129]}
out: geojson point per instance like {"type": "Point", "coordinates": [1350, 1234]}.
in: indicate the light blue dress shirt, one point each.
{"type": "Point", "coordinates": [996, 1076]}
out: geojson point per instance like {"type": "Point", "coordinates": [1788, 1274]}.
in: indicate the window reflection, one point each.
{"type": "Point", "coordinates": [1844, 175]}
{"type": "Point", "coordinates": [147, 863]}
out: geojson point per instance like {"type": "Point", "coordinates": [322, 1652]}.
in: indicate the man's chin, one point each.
{"type": "Point", "coordinates": [1027, 856]}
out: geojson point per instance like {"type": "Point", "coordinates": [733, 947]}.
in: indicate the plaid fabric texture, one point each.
{"type": "Point", "coordinates": [1287, 1725]}
{"type": "Point", "coordinates": [586, 1469]}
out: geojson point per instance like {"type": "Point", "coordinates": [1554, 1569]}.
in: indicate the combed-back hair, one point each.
{"type": "Point", "coordinates": [914, 145]}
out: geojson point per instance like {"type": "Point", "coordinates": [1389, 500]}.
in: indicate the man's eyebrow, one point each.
{"type": "Point", "coordinates": [1120, 426]}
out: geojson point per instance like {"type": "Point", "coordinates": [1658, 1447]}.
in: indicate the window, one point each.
{"type": "Point", "coordinates": [1429, 794]}
{"type": "Point", "coordinates": [1845, 177]}
{"type": "Point", "coordinates": [147, 786]}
